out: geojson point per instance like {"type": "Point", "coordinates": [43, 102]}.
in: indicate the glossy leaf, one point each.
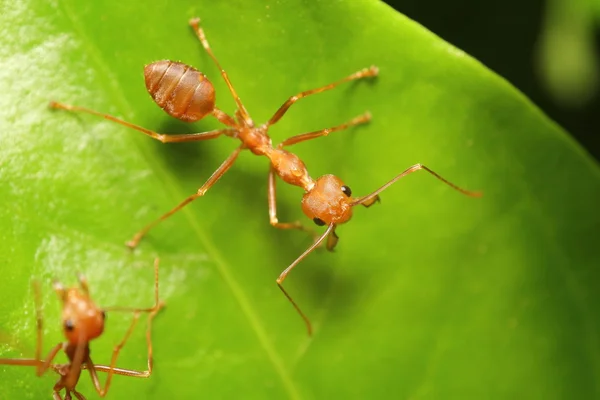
{"type": "Point", "coordinates": [429, 294]}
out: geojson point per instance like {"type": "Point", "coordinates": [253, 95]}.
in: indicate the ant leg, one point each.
{"type": "Point", "coordinates": [134, 373]}
{"type": "Point", "coordinates": [80, 358]}
{"type": "Point", "coordinates": [157, 303]}
{"type": "Point", "coordinates": [272, 196]}
{"type": "Point", "coordinates": [285, 272]}
{"type": "Point", "coordinates": [42, 367]}
{"type": "Point", "coordinates": [40, 364]}
{"type": "Point", "coordinates": [361, 119]}
{"type": "Point", "coordinates": [78, 395]}
{"type": "Point", "coordinates": [112, 369]}
{"type": "Point", "coordinates": [195, 24]}
{"type": "Point", "coordinates": [187, 137]}
{"type": "Point", "coordinates": [369, 199]}
{"type": "Point", "coordinates": [39, 327]}
{"type": "Point", "coordinates": [203, 189]}
{"type": "Point", "coordinates": [363, 73]}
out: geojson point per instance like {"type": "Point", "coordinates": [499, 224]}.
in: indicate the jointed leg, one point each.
{"type": "Point", "coordinates": [272, 196]}
{"type": "Point", "coordinates": [56, 395]}
{"type": "Point", "coordinates": [371, 198]}
{"type": "Point", "coordinates": [188, 137]}
{"type": "Point", "coordinates": [134, 373]}
{"type": "Point", "coordinates": [70, 379]}
{"type": "Point", "coordinates": [78, 395]}
{"type": "Point", "coordinates": [207, 185]}
{"type": "Point", "coordinates": [39, 328]}
{"type": "Point", "coordinates": [157, 303]}
{"type": "Point", "coordinates": [363, 73]}
{"type": "Point", "coordinates": [40, 364]}
{"type": "Point", "coordinates": [361, 119]}
{"type": "Point", "coordinates": [195, 24]}
{"type": "Point", "coordinates": [49, 358]}
{"type": "Point", "coordinates": [112, 369]}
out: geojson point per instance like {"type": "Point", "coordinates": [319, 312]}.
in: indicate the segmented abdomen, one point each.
{"type": "Point", "coordinates": [182, 91]}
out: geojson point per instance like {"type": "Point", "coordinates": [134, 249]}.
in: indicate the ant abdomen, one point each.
{"type": "Point", "coordinates": [182, 91]}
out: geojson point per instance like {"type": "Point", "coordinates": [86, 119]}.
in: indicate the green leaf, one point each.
{"type": "Point", "coordinates": [430, 294]}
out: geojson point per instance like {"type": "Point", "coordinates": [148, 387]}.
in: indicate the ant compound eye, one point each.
{"type": "Point", "coordinates": [103, 315]}
{"type": "Point", "coordinates": [69, 325]}
{"type": "Point", "coordinates": [347, 191]}
{"type": "Point", "coordinates": [319, 221]}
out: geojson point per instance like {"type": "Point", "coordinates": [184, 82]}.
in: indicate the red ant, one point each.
{"type": "Point", "coordinates": [186, 94]}
{"type": "Point", "coordinates": [82, 322]}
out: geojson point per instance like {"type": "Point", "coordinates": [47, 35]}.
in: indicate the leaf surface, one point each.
{"type": "Point", "coordinates": [429, 294]}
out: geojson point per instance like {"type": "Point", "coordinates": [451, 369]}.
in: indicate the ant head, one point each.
{"type": "Point", "coordinates": [329, 201]}
{"type": "Point", "coordinates": [82, 319]}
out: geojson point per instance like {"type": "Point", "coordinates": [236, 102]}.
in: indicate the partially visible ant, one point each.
{"type": "Point", "coordinates": [186, 94]}
{"type": "Point", "coordinates": [82, 322]}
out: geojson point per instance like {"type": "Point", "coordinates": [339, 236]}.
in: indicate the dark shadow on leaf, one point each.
{"type": "Point", "coordinates": [190, 160]}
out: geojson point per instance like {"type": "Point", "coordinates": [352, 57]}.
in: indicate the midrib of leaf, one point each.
{"type": "Point", "coordinates": [177, 194]}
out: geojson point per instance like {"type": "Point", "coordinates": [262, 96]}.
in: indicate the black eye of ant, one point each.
{"type": "Point", "coordinates": [318, 221]}
{"type": "Point", "coordinates": [347, 191]}
{"type": "Point", "coordinates": [69, 325]}
{"type": "Point", "coordinates": [103, 315]}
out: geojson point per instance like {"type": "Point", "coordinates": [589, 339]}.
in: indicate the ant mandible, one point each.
{"type": "Point", "coordinates": [186, 94]}
{"type": "Point", "coordinates": [82, 322]}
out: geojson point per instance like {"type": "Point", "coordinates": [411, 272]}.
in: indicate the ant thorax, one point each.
{"type": "Point", "coordinates": [291, 169]}
{"type": "Point", "coordinates": [255, 139]}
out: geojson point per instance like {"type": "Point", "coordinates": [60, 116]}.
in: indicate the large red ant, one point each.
{"type": "Point", "coordinates": [82, 322]}
{"type": "Point", "coordinates": [186, 94]}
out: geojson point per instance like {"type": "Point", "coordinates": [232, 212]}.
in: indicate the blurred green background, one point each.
{"type": "Point", "coordinates": [549, 49]}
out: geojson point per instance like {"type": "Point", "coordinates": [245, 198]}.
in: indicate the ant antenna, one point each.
{"type": "Point", "coordinates": [282, 276]}
{"type": "Point", "coordinates": [371, 198]}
